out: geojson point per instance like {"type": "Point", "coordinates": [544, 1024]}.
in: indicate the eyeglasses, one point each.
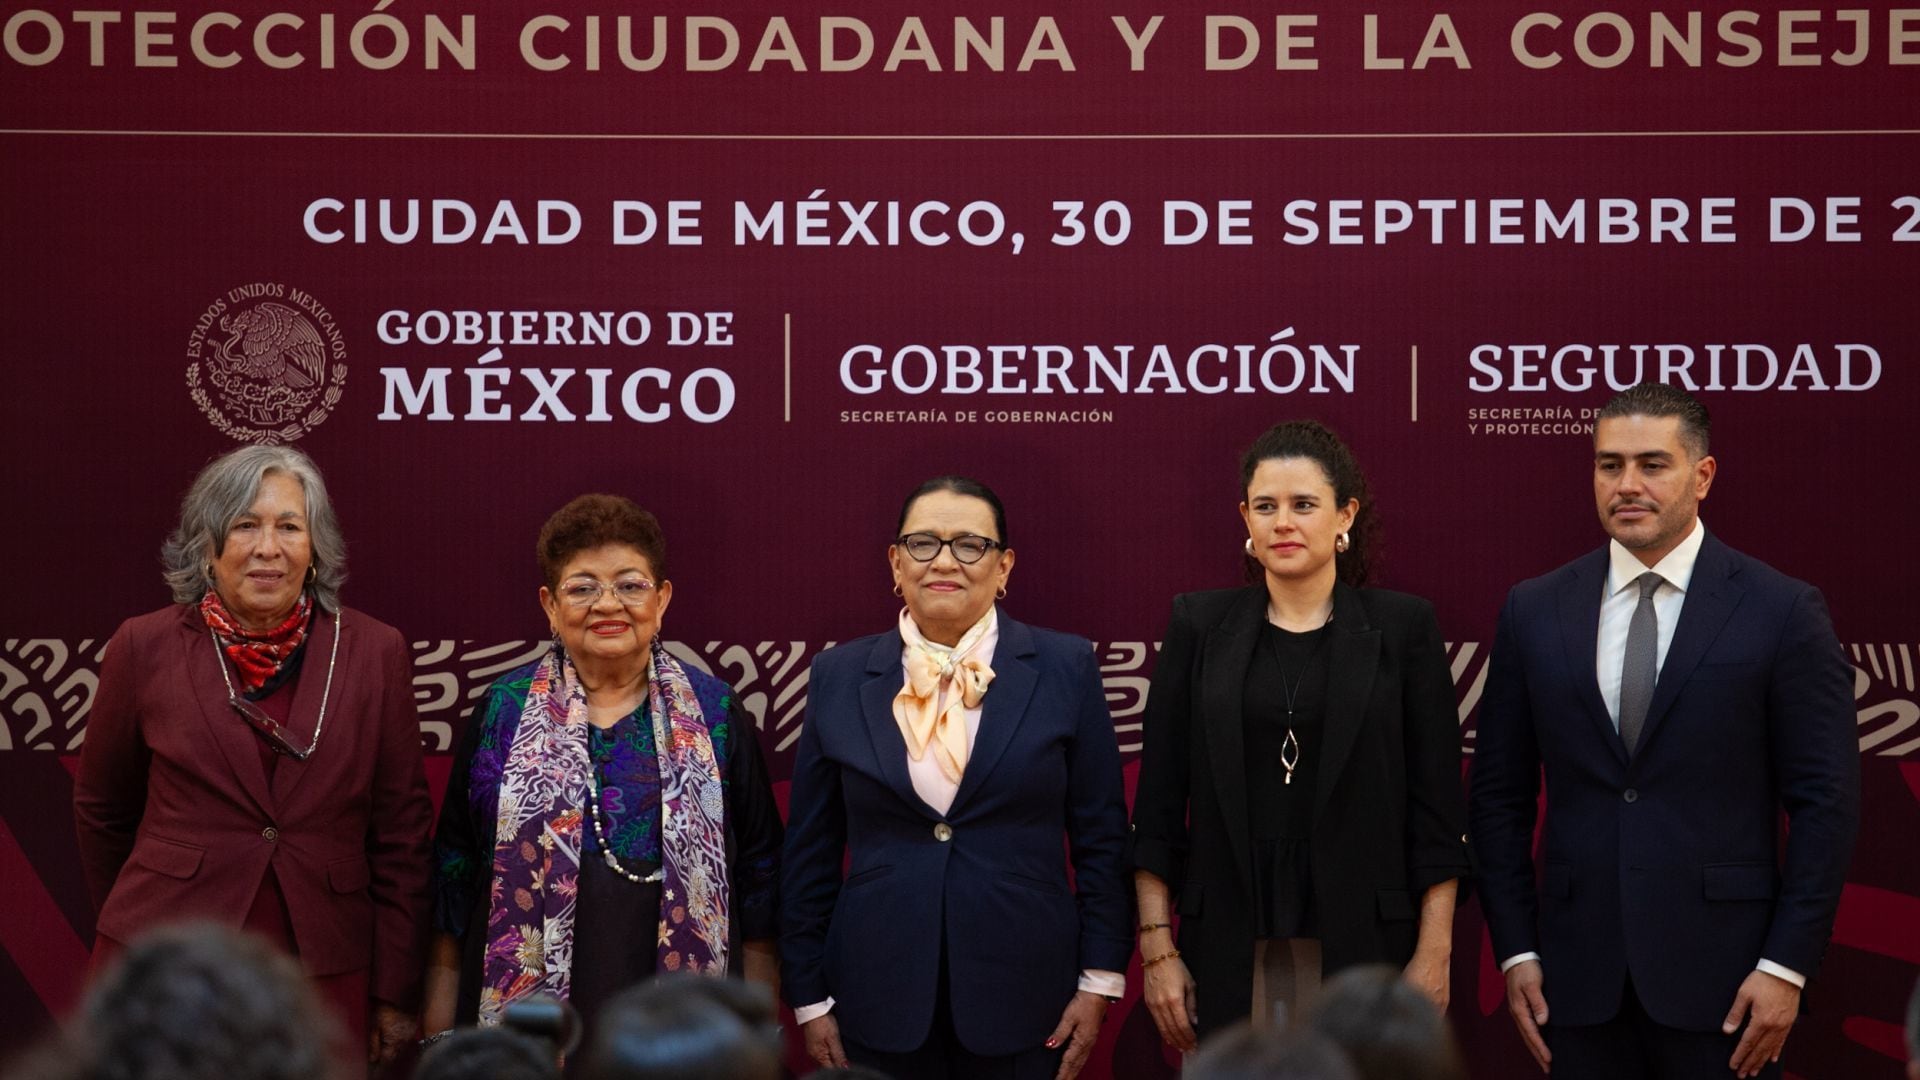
{"type": "Point", "coordinates": [271, 730]}
{"type": "Point", "coordinates": [586, 592]}
{"type": "Point", "coordinates": [925, 547]}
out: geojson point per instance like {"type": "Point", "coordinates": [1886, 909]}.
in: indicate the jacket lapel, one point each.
{"type": "Point", "coordinates": [1580, 634]}
{"type": "Point", "coordinates": [316, 669]}
{"type": "Point", "coordinates": [229, 731]}
{"type": "Point", "coordinates": [1225, 654]}
{"type": "Point", "coordinates": [1712, 594]}
{"type": "Point", "coordinates": [1350, 672]}
{"type": "Point", "coordinates": [876, 705]}
{"type": "Point", "coordinates": [1014, 679]}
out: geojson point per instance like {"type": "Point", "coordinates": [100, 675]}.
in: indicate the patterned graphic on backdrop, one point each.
{"type": "Point", "coordinates": [271, 358]}
{"type": "Point", "coordinates": [47, 687]}
{"type": "Point", "coordinates": [46, 691]}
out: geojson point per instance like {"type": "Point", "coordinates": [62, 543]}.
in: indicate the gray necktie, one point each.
{"type": "Point", "coordinates": [1640, 666]}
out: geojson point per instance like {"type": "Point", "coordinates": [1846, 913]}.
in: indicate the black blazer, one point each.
{"type": "Point", "coordinates": [989, 876]}
{"type": "Point", "coordinates": [1389, 817]}
{"type": "Point", "coordinates": [1665, 866]}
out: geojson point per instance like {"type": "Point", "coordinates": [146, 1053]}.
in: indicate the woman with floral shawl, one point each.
{"type": "Point", "coordinates": [608, 814]}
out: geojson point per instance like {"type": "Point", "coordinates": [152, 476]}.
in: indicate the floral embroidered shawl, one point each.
{"type": "Point", "coordinates": [544, 788]}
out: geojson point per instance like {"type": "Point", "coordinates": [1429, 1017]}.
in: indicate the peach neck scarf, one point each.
{"type": "Point", "coordinates": [929, 714]}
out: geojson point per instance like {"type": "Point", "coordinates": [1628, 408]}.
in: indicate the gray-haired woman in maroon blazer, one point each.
{"type": "Point", "coordinates": [253, 752]}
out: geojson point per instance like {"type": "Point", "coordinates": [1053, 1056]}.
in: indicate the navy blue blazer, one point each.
{"type": "Point", "coordinates": [1665, 866]}
{"type": "Point", "coordinates": [989, 876]}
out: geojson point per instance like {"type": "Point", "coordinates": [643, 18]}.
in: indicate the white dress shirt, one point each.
{"type": "Point", "coordinates": [1618, 599]}
{"type": "Point", "coordinates": [937, 791]}
{"type": "Point", "coordinates": [1621, 595]}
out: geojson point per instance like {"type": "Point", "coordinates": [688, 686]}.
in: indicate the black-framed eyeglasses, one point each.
{"type": "Point", "coordinates": [967, 548]}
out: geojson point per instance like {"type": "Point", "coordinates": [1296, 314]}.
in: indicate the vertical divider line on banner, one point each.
{"type": "Point", "coordinates": [1413, 386]}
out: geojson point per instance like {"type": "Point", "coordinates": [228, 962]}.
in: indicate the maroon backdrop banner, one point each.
{"type": "Point", "coordinates": [763, 270]}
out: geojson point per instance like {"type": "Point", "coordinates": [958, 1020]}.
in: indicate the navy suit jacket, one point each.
{"type": "Point", "coordinates": [1017, 932]}
{"type": "Point", "coordinates": [1665, 866]}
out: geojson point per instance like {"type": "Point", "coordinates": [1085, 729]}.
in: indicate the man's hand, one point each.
{"type": "Point", "coordinates": [822, 1035]}
{"type": "Point", "coordinates": [1079, 1028]}
{"type": "Point", "coordinates": [1769, 1005]}
{"type": "Point", "coordinates": [391, 1030]}
{"type": "Point", "coordinates": [1528, 1004]}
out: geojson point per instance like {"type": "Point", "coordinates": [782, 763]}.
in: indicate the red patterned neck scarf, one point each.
{"type": "Point", "coordinates": [257, 657]}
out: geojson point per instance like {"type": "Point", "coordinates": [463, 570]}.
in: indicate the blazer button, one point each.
{"type": "Point", "coordinates": [943, 832]}
{"type": "Point", "coordinates": [1630, 795]}
{"type": "Point", "coordinates": [269, 834]}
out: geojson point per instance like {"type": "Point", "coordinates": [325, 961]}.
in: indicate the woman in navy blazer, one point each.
{"type": "Point", "coordinates": [943, 762]}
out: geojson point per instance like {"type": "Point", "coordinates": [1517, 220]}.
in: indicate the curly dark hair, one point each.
{"type": "Point", "coordinates": [592, 521]}
{"type": "Point", "coordinates": [198, 1000]}
{"type": "Point", "coordinates": [1316, 442]}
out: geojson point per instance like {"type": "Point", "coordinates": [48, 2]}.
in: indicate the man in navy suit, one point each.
{"type": "Point", "coordinates": [1678, 696]}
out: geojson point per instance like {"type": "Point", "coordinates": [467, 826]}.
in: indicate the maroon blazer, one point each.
{"type": "Point", "coordinates": [177, 818]}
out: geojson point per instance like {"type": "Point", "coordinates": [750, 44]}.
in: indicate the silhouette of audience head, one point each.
{"type": "Point", "coordinates": [493, 1053]}
{"type": "Point", "coordinates": [686, 1027]}
{"type": "Point", "coordinates": [1244, 1052]}
{"type": "Point", "coordinates": [1389, 1030]}
{"type": "Point", "coordinates": [191, 1001]}
{"type": "Point", "coordinates": [1913, 1033]}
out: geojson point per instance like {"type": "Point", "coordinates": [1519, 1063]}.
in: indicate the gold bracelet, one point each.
{"type": "Point", "coordinates": [1174, 955]}
{"type": "Point", "coordinates": [1147, 928]}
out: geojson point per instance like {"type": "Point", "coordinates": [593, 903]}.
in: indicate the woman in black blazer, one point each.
{"type": "Point", "coordinates": [1299, 798]}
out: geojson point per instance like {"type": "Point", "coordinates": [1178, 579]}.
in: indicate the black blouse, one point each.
{"type": "Point", "coordinates": [1286, 689]}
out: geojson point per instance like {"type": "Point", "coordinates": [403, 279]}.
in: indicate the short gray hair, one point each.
{"type": "Point", "coordinates": [223, 491]}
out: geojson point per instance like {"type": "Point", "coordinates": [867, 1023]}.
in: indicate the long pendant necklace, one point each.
{"type": "Point", "coordinates": [1290, 746]}
{"type": "Point", "coordinates": [270, 729]}
{"type": "Point", "coordinates": [600, 832]}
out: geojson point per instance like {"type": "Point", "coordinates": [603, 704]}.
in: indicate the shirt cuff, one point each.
{"type": "Point", "coordinates": [1779, 972]}
{"type": "Point", "coordinates": [806, 1014]}
{"type": "Point", "coordinates": [1108, 984]}
{"type": "Point", "coordinates": [1521, 958]}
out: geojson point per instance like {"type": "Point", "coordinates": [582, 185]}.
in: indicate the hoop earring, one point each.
{"type": "Point", "coordinates": [1249, 546]}
{"type": "Point", "coordinates": [896, 590]}
{"type": "Point", "coordinates": [313, 574]}
{"type": "Point", "coordinates": [1341, 543]}
{"type": "Point", "coordinates": [1002, 594]}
